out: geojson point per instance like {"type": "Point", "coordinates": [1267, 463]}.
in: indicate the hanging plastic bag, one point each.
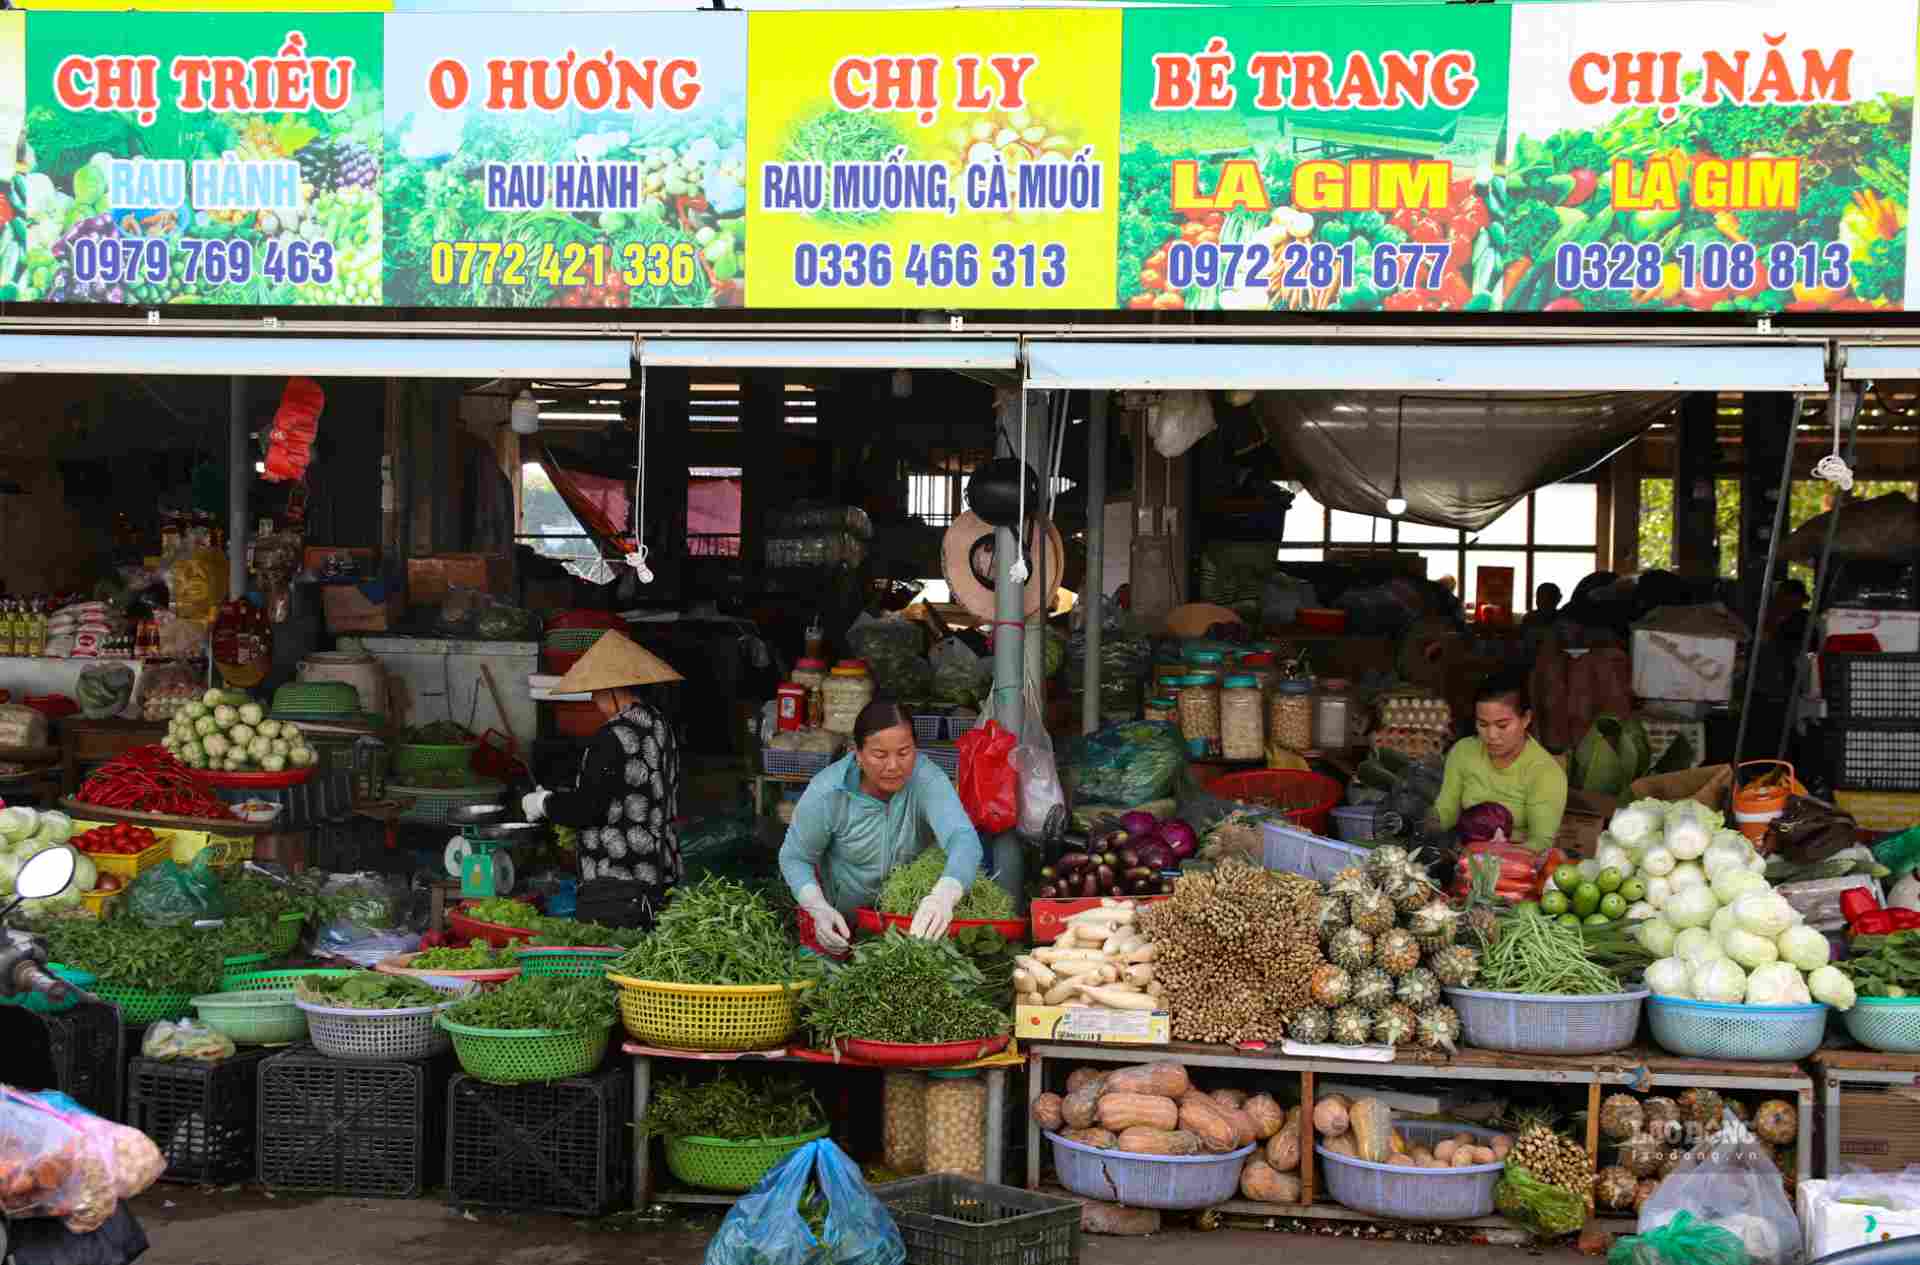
{"type": "Point", "coordinates": [812, 1206]}
{"type": "Point", "coordinates": [1730, 1182]}
{"type": "Point", "coordinates": [1682, 1241]}
{"type": "Point", "coordinates": [59, 1160]}
{"type": "Point", "coordinates": [1183, 419]}
{"type": "Point", "coordinates": [169, 894]}
{"type": "Point", "coordinates": [987, 781]}
{"type": "Point", "coordinates": [1041, 794]}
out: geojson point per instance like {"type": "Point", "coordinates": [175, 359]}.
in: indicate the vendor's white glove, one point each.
{"type": "Point", "coordinates": [935, 915]}
{"type": "Point", "coordinates": [829, 928]}
{"type": "Point", "coordinates": [534, 804]}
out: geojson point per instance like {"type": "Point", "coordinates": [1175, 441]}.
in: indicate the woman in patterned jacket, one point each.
{"type": "Point", "coordinates": [628, 793]}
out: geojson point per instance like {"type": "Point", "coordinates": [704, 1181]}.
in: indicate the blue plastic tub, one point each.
{"type": "Point", "coordinates": [1148, 1181]}
{"type": "Point", "coordinates": [1414, 1194]}
{"type": "Point", "coordinates": [1296, 851]}
{"type": "Point", "coordinates": [1721, 1030]}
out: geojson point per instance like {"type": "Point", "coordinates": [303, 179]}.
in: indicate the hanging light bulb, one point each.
{"type": "Point", "coordinates": [524, 416]}
{"type": "Point", "coordinates": [1397, 503]}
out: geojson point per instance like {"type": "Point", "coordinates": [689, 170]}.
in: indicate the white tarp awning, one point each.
{"type": "Point", "coordinates": [545, 359]}
{"type": "Point", "coordinates": [958, 354]}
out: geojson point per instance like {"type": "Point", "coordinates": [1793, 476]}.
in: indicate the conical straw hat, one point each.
{"type": "Point", "coordinates": [614, 663]}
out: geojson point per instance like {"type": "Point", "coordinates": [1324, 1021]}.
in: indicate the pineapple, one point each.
{"type": "Point", "coordinates": [1351, 1026]}
{"type": "Point", "coordinates": [1350, 882]}
{"type": "Point", "coordinates": [1395, 1025]}
{"type": "Point", "coordinates": [1333, 916]}
{"type": "Point", "coordinates": [1351, 948]}
{"type": "Point", "coordinates": [1372, 912]}
{"type": "Point", "coordinates": [1389, 865]}
{"type": "Point", "coordinates": [1483, 918]}
{"type": "Point", "coordinates": [1329, 986]}
{"type": "Point", "coordinates": [1434, 924]}
{"type": "Point", "coordinates": [1438, 1028]}
{"type": "Point", "coordinates": [1455, 966]}
{"type": "Point", "coordinates": [1396, 952]}
{"type": "Point", "coordinates": [1411, 895]}
{"type": "Point", "coordinates": [1372, 989]}
{"type": "Point", "coordinates": [1310, 1025]}
{"type": "Point", "coordinates": [1418, 988]}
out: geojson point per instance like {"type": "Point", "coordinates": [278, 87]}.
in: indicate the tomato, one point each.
{"type": "Point", "coordinates": [1473, 212]}
{"type": "Point", "coordinates": [1459, 191]}
{"type": "Point", "coordinates": [1210, 237]}
{"type": "Point", "coordinates": [1564, 305]}
{"type": "Point", "coordinates": [1701, 299]}
{"type": "Point", "coordinates": [1427, 228]}
{"type": "Point", "coordinates": [1152, 279]}
{"type": "Point", "coordinates": [1191, 231]}
{"type": "Point", "coordinates": [1401, 301]}
{"type": "Point", "coordinates": [1157, 260]}
{"type": "Point", "coordinates": [1454, 290]}
{"type": "Point", "coordinates": [1402, 219]}
{"type": "Point", "coordinates": [1170, 301]}
{"type": "Point", "coordinates": [1140, 303]}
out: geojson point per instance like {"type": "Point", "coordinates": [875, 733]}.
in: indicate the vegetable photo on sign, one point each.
{"type": "Point", "coordinates": [1753, 171]}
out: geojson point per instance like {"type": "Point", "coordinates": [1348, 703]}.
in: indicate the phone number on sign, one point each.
{"type": "Point", "coordinates": [935, 266]}
{"type": "Point", "coordinates": [562, 267]}
{"type": "Point", "coordinates": [212, 260]}
{"type": "Point", "coordinates": [1740, 267]}
{"type": "Point", "coordinates": [1308, 265]}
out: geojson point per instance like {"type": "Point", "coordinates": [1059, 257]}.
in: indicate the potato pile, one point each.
{"type": "Point", "coordinates": [1362, 1129]}
{"type": "Point", "coordinates": [1101, 959]}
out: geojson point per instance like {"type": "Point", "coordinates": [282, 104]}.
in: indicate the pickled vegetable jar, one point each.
{"type": "Point", "coordinates": [1332, 715]}
{"type": "Point", "coordinates": [904, 1122]}
{"type": "Point", "coordinates": [847, 691]}
{"type": "Point", "coordinates": [1290, 715]}
{"type": "Point", "coordinates": [957, 1124]}
{"type": "Point", "coordinates": [1200, 713]}
{"type": "Point", "coordinates": [1165, 707]}
{"type": "Point", "coordinates": [1242, 719]}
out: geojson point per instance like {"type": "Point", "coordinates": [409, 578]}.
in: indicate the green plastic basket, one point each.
{"type": "Point", "coordinates": [254, 981]}
{"type": "Point", "coordinates": [516, 1056]}
{"type": "Point", "coordinates": [431, 804]}
{"type": "Point", "coordinates": [1888, 1024]}
{"type": "Point", "coordinates": [242, 963]}
{"type": "Point", "coordinates": [584, 963]}
{"type": "Point", "coordinates": [422, 757]}
{"type": "Point", "coordinates": [140, 1005]}
{"type": "Point", "coordinates": [717, 1164]}
{"type": "Point", "coordinates": [286, 933]}
{"type": "Point", "coordinates": [254, 1017]}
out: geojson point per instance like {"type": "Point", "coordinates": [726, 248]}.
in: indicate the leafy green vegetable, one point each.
{"type": "Point", "coordinates": [899, 988]}
{"type": "Point", "coordinates": [839, 136]}
{"type": "Point", "coordinates": [717, 931]}
{"type": "Point", "coordinates": [1574, 150]}
{"type": "Point", "coordinates": [1885, 966]}
{"type": "Point", "coordinates": [541, 1001]}
{"type": "Point", "coordinates": [502, 912]}
{"type": "Point", "coordinates": [1547, 1210]}
{"type": "Point", "coordinates": [366, 990]}
{"type": "Point", "coordinates": [124, 951]}
{"type": "Point", "coordinates": [733, 1108]}
{"type": "Point", "coordinates": [478, 955]}
{"type": "Point", "coordinates": [1883, 273]}
{"type": "Point", "coordinates": [907, 885]}
{"type": "Point", "coordinates": [1530, 226]}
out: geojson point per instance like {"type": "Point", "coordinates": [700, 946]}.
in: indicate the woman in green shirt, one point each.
{"type": "Point", "coordinates": [1504, 765]}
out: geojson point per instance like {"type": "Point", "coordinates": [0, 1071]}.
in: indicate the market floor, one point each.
{"type": "Point", "coordinates": [203, 1227]}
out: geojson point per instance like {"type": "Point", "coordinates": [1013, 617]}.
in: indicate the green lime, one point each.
{"type": "Point", "coordinates": [1613, 904]}
{"type": "Point", "coordinates": [1568, 920]}
{"type": "Point", "coordinates": [1586, 899]}
{"type": "Point", "coordinates": [1609, 880]}
{"type": "Point", "coordinates": [1553, 903]}
{"type": "Point", "coordinates": [1597, 920]}
{"type": "Point", "coordinates": [1633, 890]}
{"type": "Point", "coordinates": [1567, 877]}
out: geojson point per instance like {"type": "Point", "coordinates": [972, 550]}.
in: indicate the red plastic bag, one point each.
{"type": "Point", "coordinates": [987, 781]}
{"type": "Point", "coordinates": [295, 424]}
{"type": "Point", "coordinates": [1523, 872]}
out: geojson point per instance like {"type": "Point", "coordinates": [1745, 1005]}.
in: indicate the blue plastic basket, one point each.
{"type": "Point", "coordinates": [1542, 1023]}
{"type": "Point", "coordinates": [1888, 1024]}
{"type": "Point", "coordinates": [1296, 851]}
{"type": "Point", "coordinates": [1720, 1030]}
{"type": "Point", "coordinates": [1414, 1194]}
{"type": "Point", "coordinates": [1147, 1181]}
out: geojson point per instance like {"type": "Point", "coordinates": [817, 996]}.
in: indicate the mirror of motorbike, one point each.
{"type": "Point", "coordinates": [45, 874]}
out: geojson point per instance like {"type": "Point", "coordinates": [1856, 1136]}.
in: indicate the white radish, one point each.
{"type": "Point", "coordinates": [1061, 993]}
{"type": "Point", "coordinates": [1043, 975]}
{"type": "Point", "coordinates": [1139, 976]}
{"type": "Point", "coordinates": [1145, 953]}
{"type": "Point", "coordinates": [1118, 998]}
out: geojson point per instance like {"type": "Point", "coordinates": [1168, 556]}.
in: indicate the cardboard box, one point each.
{"type": "Point", "coordinates": [430, 579]}
{"type": "Point", "coordinates": [1879, 1128]}
{"type": "Point", "coordinates": [1049, 917]}
{"type": "Point", "coordinates": [1831, 1226]}
{"type": "Point", "coordinates": [1897, 631]}
{"type": "Point", "coordinates": [1679, 666]}
{"type": "Point", "coordinates": [1094, 1024]}
{"type": "Point", "coordinates": [348, 610]}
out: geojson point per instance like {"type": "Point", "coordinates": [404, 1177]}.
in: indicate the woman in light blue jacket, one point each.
{"type": "Point", "coordinates": [866, 813]}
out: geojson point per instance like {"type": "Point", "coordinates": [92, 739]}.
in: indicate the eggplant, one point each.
{"type": "Point", "coordinates": [1046, 891]}
{"type": "Point", "coordinates": [1111, 858]}
{"type": "Point", "coordinates": [1139, 872]}
{"type": "Point", "coordinates": [1090, 884]}
{"type": "Point", "coordinates": [1141, 887]}
{"type": "Point", "coordinates": [1107, 874]}
{"type": "Point", "coordinates": [1129, 858]}
{"type": "Point", "coordinates": [1071, 861]}
{"type": "Point", "coordinates": [1114, 839]}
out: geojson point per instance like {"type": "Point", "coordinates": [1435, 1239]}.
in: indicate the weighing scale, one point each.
{"type": "Point", "coordinates": [478, 856]}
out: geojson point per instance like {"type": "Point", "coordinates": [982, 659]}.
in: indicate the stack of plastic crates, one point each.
{"type": "Point", "coordinates": [558, 1146]}
{"type": "Point", "coordinates": [80, 1052]}
{"type": "Point", "coordinates": [1873, 721]}
{"type": "Point", "coordinates": [202, 1116]}
{"type": "Point", "coordinates": [346, 1128]}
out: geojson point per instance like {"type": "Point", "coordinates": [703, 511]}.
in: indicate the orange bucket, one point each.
{"type": "Point", "coordinates": [1756, 808]}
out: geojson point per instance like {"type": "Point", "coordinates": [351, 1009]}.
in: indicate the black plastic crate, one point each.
{"type": "Point", "coordinates": [1874, 759]}
{"type": "Point", "coordinates": [346, 1128]}
{"type": "Point", "coordinates": [1871, 689]}
{"type": "Point", "coordinates": [559, 1146]}
{"type": "Point", "coordinates": [79, 1052]}
{"type": "Point", "coordinates": [202, 1116]}
{"type": "Point", "coordinates": [946, 1219]}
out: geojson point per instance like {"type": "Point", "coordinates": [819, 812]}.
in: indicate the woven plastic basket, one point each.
{"type": "Point", "coordinates": [376, 1036]}
{"type": "Point", "coordinates": [140, 1005]}
{"type": "Point", "coordinates": [709, 1017]}
{"type": "Point", "coordinates": [1718, 1030]}
{"type": "Point", "coordinates": [254, 981]}
{"type": "Point", "coordinates": [1386, 1190]}
{"type": "Point", "coordinates": [718, 1164]}
{"type": "Point", "coordinates": [516, 1056]}
{"type": "Point", "coordinates": [1535, 1023]}
{"type": "Point", "coordinates": [286, 933]}
{"type": "Point", "coordinates": [1147, 1181]}
{"type": "Point", "coordinates": [583, 962]}
{"type": "Point", "coordinates": [254, 1017]}
{"type": "Point", "coordinates": [429, 805]}
{"type": "Point", "coordinates": [401, 964]}
{"type": "Point", "coordinates": [1888, 1024]}
{"type": "Point", "coordinates": [245, 963]}
{"type": "Point", "coordinates": [421, 757]}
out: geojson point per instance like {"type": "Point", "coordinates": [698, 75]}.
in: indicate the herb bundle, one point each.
{"type": "Point", "coordinates": [478, 955]}
{"type": "Point", "coordinates": [128, 953]}
{"type": "Point", "coordinates": [553, 1002]}
{"type": "Point", "coordinates": [365, 990]}
{"type": "Point", "coordinates": [907, 885]}
{"type": "Point", "coordinates": [898, 988]}
{"type": "Point", "coordinates": [716, 931]}
{"type": "Point", "coordinates": [733, 1109]}
{"type": "Point", "coordinates": [1885, 966]}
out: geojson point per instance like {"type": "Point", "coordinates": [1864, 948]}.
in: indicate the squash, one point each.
{"type": "Point", "coordinates": [1371, 1122]}
{"type": "Point", "coordinates": [1080, 1107]}
{"type": "Point", "coordinates": [1283, 1151]}
{"type": "Point", "coordinates": [1444, 1151]}
{"type": "Point", "coordinates": [1105, 1218]}
{"type": "Point", "coordinates": [1086, 1078]}
{"type": "Point", "coordinates": [1046, 1112]}
{"type": "Point", "coordinates": [1165, 1080]}
{"type": "Point", "coordinates": [1100, 1139]}
{"type": "Point", "coordinates": [1330, 1116]}
{"type": "Point", "coordinates": [1260, 1183]}
{"type": "Point", "coordinates": [1124, 1110]}
{"type": "Point", "coordinates": [1231, 1099]}
{"type": "Point", "coordinates": [1201, 1116]}
{"type": "Point", "coordinates": [1244, 1132]}
{"type": "Point", "coordinates": [1266, 1115]}
{"type": "Point", "coordinates": [1141, 1141]}
{"type": "Point", "coordinates": [1342, 1145]}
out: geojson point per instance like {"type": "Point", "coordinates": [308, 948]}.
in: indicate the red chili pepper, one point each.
{"type": "Point", "coordinates": [1878, 922]}
{"type": "Point", "coordinates": [1855, 902]}
{"type": "Point", "coordinates": [1905, 919]}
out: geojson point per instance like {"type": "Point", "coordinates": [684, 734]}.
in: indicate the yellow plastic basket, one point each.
{"type": "Point", "coordinates": [709, 1016]}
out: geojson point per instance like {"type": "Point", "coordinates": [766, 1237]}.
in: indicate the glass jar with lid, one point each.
{"type": "Point", "coordinates": [849, 688]}
{"type": "Point", "coordinates": [957, 1124]}
{"type": "Point", "coordinates": [1163, 707]}
{"type": "Point", "coordinates": [1199, 706]}
{"type": "Point", "coordinates": [809, 673]}
{"type": "Point", "coordinates": [1242, 719]}
{"type": "Point", "coordinates": [904, 1120]}
{"type": "Point", "coordinates": [1332, 715]}
{"type": "Point", "coordinates": [1200, 657]}
{"type": "Point", "coordinates": [1259, 665]}
{"type": "Point", "coordinates": [1290, 715]}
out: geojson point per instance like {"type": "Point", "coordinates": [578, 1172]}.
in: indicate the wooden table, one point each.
{"type": "Point", "coordinates": [85, 741]}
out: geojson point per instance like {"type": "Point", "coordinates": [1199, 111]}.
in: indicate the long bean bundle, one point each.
{"type": "Point", "coordinates": [1535, 954]}
{"type": "Point", "coordinates": [717, 931]}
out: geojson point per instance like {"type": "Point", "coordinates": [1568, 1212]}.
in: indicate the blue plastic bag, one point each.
{"type": "Point", "coordinates": [768, 1226]}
